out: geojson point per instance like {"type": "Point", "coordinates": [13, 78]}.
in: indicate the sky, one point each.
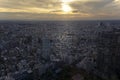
{"type": "Point", "coordinates": [59, 9]}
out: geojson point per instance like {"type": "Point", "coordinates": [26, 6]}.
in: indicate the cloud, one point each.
{"type": "Point", "coordinates": [91, 6]}
{"type": "Point", "coordinates": [41, 16]}
{"type": "Point", "coordinates": [31, 3]}
{"type": "Point", "coordinates": [51, 9]}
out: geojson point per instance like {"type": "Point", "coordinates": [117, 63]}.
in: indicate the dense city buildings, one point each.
{"type": "Point", "coordinates": [61, 50]}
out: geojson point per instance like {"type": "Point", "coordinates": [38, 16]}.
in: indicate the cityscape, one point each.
{"type": "Point", "coordinates": [59, 50]}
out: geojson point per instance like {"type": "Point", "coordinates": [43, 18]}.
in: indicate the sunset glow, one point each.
{"type": "Point", "coordinates": [66, 8]}
{"type": "Point", "coordinates": [55, 9]}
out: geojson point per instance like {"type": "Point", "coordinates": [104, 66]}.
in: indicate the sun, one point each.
{"type": "Point", "coordinates": [66, 8]}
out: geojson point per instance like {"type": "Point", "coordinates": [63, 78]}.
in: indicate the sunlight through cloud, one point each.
{"type": "Point", "coordinates": [66, 8]}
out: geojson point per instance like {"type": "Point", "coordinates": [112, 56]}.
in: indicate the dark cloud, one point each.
{"type": "Point", "coordinates": [91, 6]}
